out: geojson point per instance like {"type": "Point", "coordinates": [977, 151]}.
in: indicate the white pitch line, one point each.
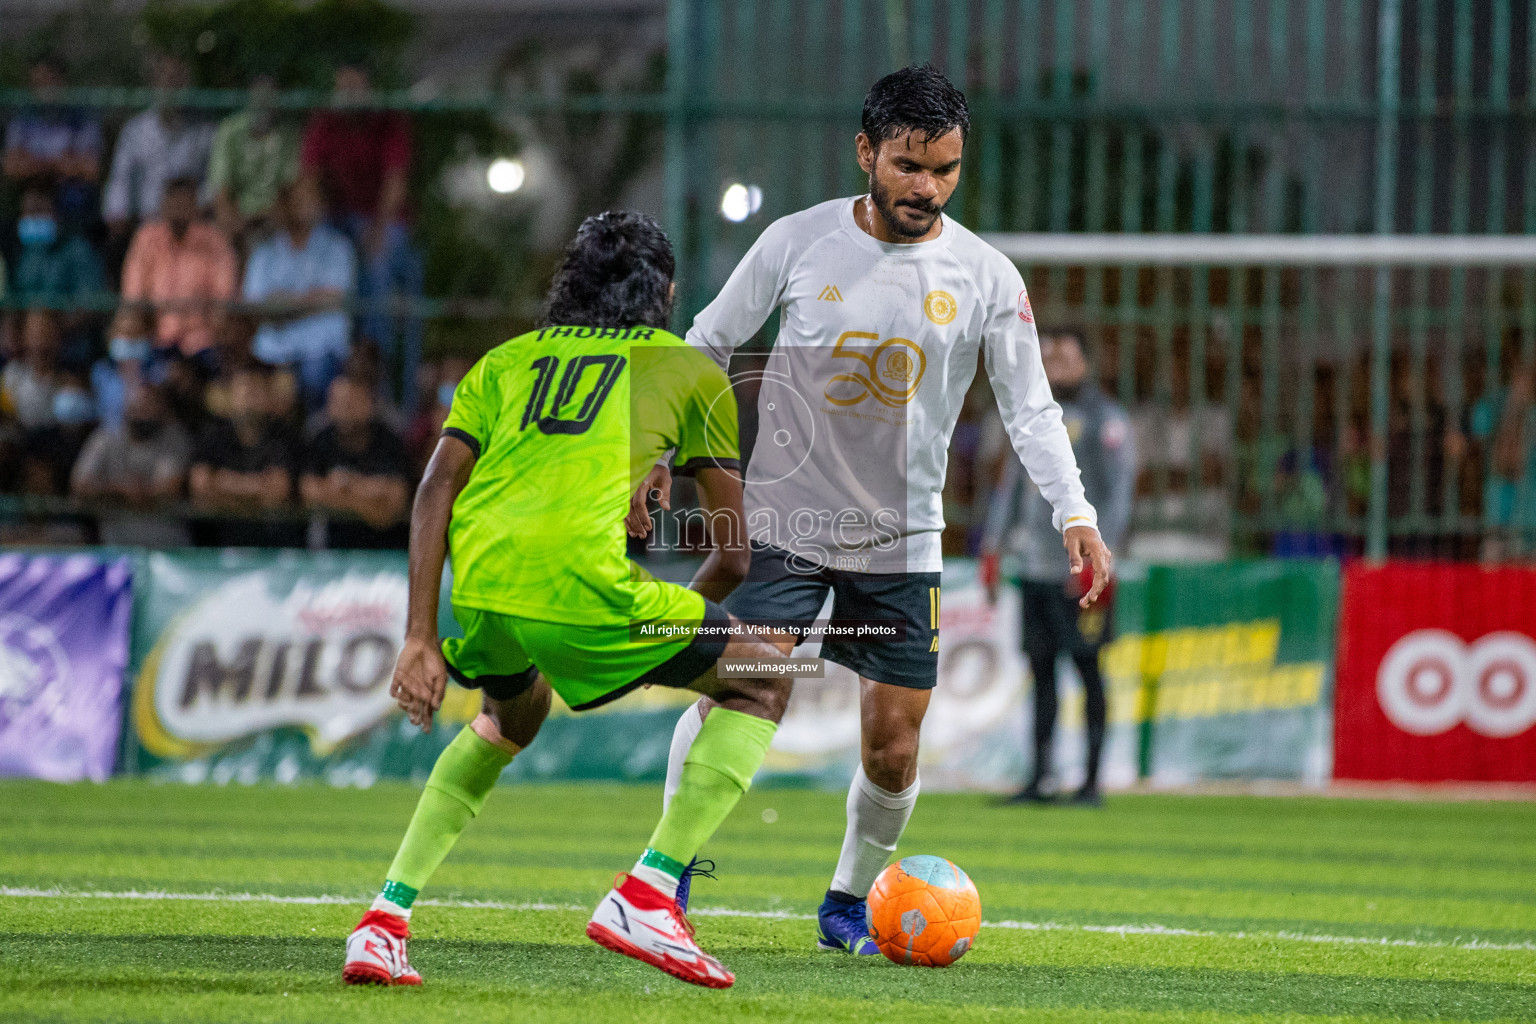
{"type": "Point", "coordinates": [1284, 936]}
{"type": "Point", "coordinates": [266, 897]}
{"type": "Point", "coordinates": [775, 915]}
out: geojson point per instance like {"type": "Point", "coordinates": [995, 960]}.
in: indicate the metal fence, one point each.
{"type": "Point", "coordinates": [1315, 116]}
{"type": "Point", "coordinates": [1351, 406]}
{"type": "Point", "coordinates": [1316, 394]}
{"type": "Point", "coordinates": [1361, 404]}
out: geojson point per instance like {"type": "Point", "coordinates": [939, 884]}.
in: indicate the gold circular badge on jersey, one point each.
{"type": "Point", "coordinates": [940, 307]}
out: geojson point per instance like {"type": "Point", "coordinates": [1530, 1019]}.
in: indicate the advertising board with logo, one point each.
{"type": "Point", "coordinates": [257, 665]}
{"type": "Point", "coordinates": [1234, 659]}
{"type": "Point", "coordinates": [1227, 667]}
{"type": "Point", "coordinates": [1437, 674]}
{"type": "Point", "coordinates": [974, 731]}
{"type": "Point", "coordinates": [250, 666]}
{"type": "Point", "coordinates": [63, 648]}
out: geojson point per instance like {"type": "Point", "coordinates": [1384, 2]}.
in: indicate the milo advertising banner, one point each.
{"type": "Point", "coordinates": [251, 666]}
{"type": "Point", "coordinates": [256, 665]}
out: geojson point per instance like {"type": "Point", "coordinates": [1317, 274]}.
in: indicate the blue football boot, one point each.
{"type": "Point", "coordinates": [842, 925]}
{"type": "Point", "coordinates": [703, 868]}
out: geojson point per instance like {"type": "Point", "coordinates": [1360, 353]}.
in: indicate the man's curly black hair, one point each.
{"type": "Point", "coordinates": [617, 272]}
{"type": "Point", "coordinates": [916, 99]}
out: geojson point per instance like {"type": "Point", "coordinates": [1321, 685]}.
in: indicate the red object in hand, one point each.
{"type": "Point", "coordinates": [1084, 582]}
{"type": "Point", "coordinates": [990, 569]}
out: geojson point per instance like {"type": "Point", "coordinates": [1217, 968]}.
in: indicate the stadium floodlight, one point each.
{"type": "Point", "coordinates": [505, 176]}
{"type": "Point", "coordinates": [740, 202]}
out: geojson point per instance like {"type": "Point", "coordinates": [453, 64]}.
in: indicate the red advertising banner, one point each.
{"type": "Point", "coordinates": [1436, 674]}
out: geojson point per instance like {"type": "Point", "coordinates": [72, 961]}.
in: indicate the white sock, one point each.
{"type": "Point", "coordinates": [390, 907]}
{"type": "Point", "coordinates": [876, 819]}
{"type": "Point", "coordinates": [655, 878]}
{"type": "Point", "coordinates": [683, 735]}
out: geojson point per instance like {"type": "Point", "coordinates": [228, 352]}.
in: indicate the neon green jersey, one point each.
{"type": "Point", "coordinates": [565, 422]}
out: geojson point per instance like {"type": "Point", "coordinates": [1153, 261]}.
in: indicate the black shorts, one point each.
{"type": "Point", "coordinates": [1053, 623]}
{"type": "Point", "coordinates": [784, 592]}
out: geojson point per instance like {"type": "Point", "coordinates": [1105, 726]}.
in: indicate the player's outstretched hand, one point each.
{"type": "Point", "coordinates": [1083, 543]}
{"type": "Point", "coordinates": [421, 676]}
{"type": "Point", "coordinates": [657, 484]}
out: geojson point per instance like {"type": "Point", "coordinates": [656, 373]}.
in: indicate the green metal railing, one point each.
{"type": "Point", "coordinates": [1324, 407]}
{"type": "Point", "coordinates": [1313, 405]}
{"type": "Point", "coordinates": [1356, 405]}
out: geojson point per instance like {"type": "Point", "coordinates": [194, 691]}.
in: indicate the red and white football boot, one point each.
{"type": "Point", "coordinates": [640, 921]}
{"type": "Point", "coordinates": [376, 952]}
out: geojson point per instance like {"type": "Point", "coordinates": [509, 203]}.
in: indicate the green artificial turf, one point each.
{"type": "Point", "coordinates": [1156, 908]}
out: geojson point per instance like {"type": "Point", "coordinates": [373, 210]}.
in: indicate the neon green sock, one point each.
{"type": "Point", "coordinates": [717, 771]}
{"type": "Point", "coordinates": [463, 777]}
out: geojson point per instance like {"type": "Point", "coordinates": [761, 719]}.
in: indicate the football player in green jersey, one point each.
{"type": "Point", "coordinates": [546, 440]}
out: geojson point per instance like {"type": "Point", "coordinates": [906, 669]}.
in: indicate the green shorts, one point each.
{"type": "Point", "coordinates": [588, 666]}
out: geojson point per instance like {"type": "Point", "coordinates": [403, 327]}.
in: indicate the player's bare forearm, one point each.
{"type": "Point", "coordinates": [447, 473]}
{"type": "Point", "coordinates": [421, 675]}
{"type": "Point", "coordinates": [715, 580]}
{"type": "Point", "coordinates": [720, 498]}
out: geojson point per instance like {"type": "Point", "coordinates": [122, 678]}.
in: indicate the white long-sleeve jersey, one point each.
{"type": "Point", "coordinates": [876, 349]}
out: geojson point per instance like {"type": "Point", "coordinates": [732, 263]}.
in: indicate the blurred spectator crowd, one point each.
{"type": "Point", "coordinates": [209, 337]}
{"type": "Point", "coordinates": [179, 351]}
{"type": "Point", "coordinates": [1290, 475]}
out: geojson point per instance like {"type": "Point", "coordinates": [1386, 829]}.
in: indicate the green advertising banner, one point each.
{"type": "Point", "coordinates": [274, 665]}
{"type": "Point", "coordinates": [1217, 671]}
{"type": "Point", "coordinates": [1226, 669]}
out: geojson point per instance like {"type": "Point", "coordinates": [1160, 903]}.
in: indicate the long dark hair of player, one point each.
{"type": "Point", "coordinates": [617, 272]}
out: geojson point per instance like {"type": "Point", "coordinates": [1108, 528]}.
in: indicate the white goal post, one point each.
{"type": "Point", "coordinates": [1349, 384]}
{"type": "Point", "coordinates": [1265, 250]}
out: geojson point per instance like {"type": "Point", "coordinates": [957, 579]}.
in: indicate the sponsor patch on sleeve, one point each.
{"type": "Point", "coordinates": [1025, 312]}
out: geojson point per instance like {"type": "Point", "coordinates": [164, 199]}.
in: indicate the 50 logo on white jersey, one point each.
{"type": "Point", "coordinates": [1430, 680]}
{"type": "Point", "coordinates": [895, 369]}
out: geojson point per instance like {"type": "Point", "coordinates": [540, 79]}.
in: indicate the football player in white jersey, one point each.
{"type": "Point", "coordinates": [885, 305]}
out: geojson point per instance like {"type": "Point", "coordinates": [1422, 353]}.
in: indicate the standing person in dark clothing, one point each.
{"type": "Point", "coordinates": [245, 462]}
{"type": "Point", "coordinates": [1019, 522]}
{"type": "Point", "coordinates": [357, 466]}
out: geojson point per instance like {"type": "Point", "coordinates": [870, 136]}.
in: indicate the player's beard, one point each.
{"type": "Point", "coordinates": [890, 211]}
